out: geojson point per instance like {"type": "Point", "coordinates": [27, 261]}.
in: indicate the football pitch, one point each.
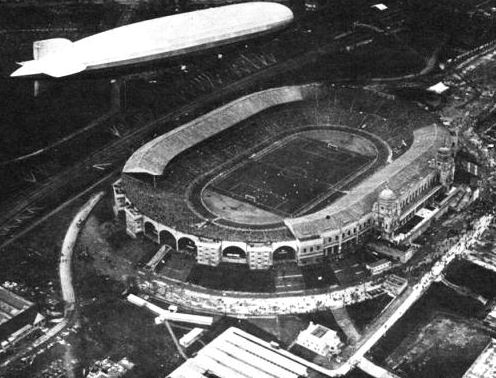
{"type": "Point", "coordinates": [286, 177]}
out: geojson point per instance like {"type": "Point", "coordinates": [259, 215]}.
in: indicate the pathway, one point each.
{"type": "Point", "coordinates": [346, 324]}
{"type": "Point", "coordinates": [462, 290]}
{"type": "Point", "coordinates": [374, 370]}
{"type": "Point", "coordinates": [486, 260]}
{"type": "Point", "coordinates": [67, 250]}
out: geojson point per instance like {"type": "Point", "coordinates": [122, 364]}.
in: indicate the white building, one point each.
{"type": "Point", "coordinates": [379, 266]}
{"type": "Point", "coordinates": [319, 339]}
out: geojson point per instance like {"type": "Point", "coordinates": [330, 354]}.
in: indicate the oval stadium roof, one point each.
{"type": "Point", "coordinates": [153, 157]}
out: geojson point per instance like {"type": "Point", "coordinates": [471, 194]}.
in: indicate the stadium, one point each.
{"type": "Point", "coordinates": [299, 173]}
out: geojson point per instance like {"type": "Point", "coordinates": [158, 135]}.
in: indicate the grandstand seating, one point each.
{"type": "Point", "coordinates": [168, 202]}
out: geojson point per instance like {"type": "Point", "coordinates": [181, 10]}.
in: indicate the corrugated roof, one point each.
{"type": "Point", "coordinates": [236, 353]}
{"type": "Point", "coordinates": [11, 305]}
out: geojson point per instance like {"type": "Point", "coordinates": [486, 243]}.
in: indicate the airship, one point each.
{"type": "Point", "coordinates": [159, 38]}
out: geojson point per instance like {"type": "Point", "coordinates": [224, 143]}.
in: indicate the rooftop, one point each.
{"type": "Point", "coordinates": [11, 305]}
{"type": "Point", "coordinates": [378, 263]}
{"type": "Point", "coordinates": [236, 353]}
{"type": "Point", "coordinates": [154, 156]}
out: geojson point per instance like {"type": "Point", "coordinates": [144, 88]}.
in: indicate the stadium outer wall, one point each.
{"type": "Point", "coordinates": [328, 237]}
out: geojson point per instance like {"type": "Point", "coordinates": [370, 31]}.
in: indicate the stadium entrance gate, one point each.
{"type": "Point", "coordinates": [283, 254]}
{"type": "Point", "coordinates": [151, 231]}
{"type": "Point", "coordinates": [187, 245]}
{"type": "Point", "coordinates": [234, 254]}
{"type": "Point", "coordinates": [165, 237]}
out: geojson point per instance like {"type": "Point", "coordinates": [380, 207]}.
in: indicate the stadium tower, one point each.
{"type": "Point", "coordinates": [387, 212]}
{"type": "Point", "coordinates": [445, 164]}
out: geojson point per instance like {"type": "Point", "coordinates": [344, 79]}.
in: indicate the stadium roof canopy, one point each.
{"type": "Point", "coordinates": [153, 157]}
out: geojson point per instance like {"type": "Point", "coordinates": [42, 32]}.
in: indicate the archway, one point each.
{"type": "Point", "coordinates": [234, 252]}
{"type": "Point", "coordinates": [165, 237]}
{"type": "Point", "coordinates": [187, 245]}
{"type": "Point", "coordinates": [284, 253]}
{"type": "Point", "coordinates": [151, 231]}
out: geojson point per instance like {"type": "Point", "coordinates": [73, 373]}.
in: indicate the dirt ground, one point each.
{"type": "Point", "coordinates": [445, 346]}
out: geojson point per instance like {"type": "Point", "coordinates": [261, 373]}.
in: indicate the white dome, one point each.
{"type": "Point", "coordinates": [387, 195]}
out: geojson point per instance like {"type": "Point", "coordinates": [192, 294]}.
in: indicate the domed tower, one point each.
{"type": "Point", "coordinates": [445, 164]}
{"type": "Point", "coordinates": [386, 212]}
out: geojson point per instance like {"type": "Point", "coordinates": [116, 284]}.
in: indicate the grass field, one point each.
{"type": "Point", "coordinates": [287, 176]}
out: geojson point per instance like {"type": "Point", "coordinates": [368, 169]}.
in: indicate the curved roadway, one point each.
{"type": "Point", "coordinates": [68, 249]}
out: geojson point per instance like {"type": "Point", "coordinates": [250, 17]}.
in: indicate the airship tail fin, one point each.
{"type": "Point", "coordinates": [63, 67]}
{"type": "Point", "coordinates": [50, 46]}
{"type": "Point", "coordinates": [52, 57]}
{"type": "Point", "coordinates": [52, 66]}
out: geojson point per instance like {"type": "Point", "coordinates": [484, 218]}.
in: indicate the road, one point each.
{"type": "Point", "coordinates": [67, 250]}
{"type": "Point", "coordinates": [65, 282]}
{"type": "Point", "coordinates": [375, 371]}
{"type": "Point", "coordinates": [354, 355]}
{"type": "Point", "coordinates": [402, 303]}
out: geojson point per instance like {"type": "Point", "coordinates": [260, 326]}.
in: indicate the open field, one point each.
{"type": "Point", "coordinates": [436, 348]}
{"type": "Point", "coordinates": [285, 177]}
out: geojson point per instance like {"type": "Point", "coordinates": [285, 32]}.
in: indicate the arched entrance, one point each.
{"type": "Point", "coordinates": [284, 253]}
{"type": "Point", "coordinates": [234, 252]}
{"type": "Point", "coordinates": [167, 238]}
{"type": "Point", "coordinates": [187, 245]}
{"type": "Point", "coordinates": [151, 231]}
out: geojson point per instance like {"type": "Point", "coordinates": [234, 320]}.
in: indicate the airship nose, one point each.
{"type": "Point", "coordinates": [282, 11]}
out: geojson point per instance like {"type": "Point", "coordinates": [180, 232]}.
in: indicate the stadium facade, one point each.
{"type": "Point", "coordinates": [299, 173]}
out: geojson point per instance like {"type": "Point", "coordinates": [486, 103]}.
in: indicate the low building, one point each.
{"type": "Point", "coordinates": [238, 354]}
{"type": "Point", "coordinates": [319, 339]}
{"type": "Point", "coordinates": [438, 88]}
{"type": "Point", "coordinates": [379, 266]}
{"type": "Point", "coordinates": [399, 253]}
{"type": "Point", "coordinates": [485, 365]}
{"type": "Point", "coordinates": [158, 257]}
{"type": "Point", "coordinates": [192, 336]}
{"type": "Point", "coordinates": [16, 313]}
{"type": "Point", "coordinates": [394, 285]}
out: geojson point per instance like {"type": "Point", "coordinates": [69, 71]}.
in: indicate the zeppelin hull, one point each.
{"type": "Point", "coordinates": [192, 50]}
{"type": "Point", "coordinates": [160, 38]}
